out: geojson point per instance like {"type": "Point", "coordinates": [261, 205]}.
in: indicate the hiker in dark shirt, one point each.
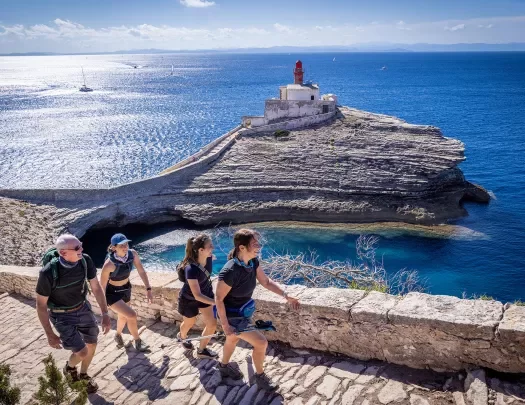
{"type": "Point", "coordinates": [62, 287]}
{"type": "Point", "coordinates": [235, 306]}
{"type": "Point", "coordinates": [114, 279]}
{"type": "Point", "coordinates": [196, 295]}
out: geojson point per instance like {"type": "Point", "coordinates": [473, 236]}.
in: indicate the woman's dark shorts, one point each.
{"type": "Point", "coordinates": [76, 328]}
{"type": "Point", "coordinates": [115, 294]}
{"type": "Point", "coordinates": [190, 308]}
{"type": "Point", "coordinates": [240, 323]}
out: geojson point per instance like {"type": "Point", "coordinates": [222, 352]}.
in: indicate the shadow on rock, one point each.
{"type": "Point", "coordinates": [139, 375]}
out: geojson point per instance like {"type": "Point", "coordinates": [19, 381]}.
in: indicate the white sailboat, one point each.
{"type": "Point", "coordinates": [172, 70]}
{"type": "Point", "coordinates": [85, 88]}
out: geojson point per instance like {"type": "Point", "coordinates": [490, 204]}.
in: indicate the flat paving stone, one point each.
{"type": "Point", "coordinates": [172, 375]}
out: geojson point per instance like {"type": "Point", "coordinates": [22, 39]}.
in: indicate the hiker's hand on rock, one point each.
{"type": "Point", "coordinates": [294, 302]}
{"type": "Point", "coordinates": [54, 341]}
{"type": "Point", "coordinates": [228, 330]}
{"type": "Point", "coordinates": [106, 324]}
{"type": "Point", "coordinates": [149, 295]}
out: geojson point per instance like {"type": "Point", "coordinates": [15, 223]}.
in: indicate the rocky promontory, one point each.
{"type": "Point", "coordinates": [358, 167]}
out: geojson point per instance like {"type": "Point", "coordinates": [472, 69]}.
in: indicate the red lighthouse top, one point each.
{"type": "Point", "coordinates": [298, 72]}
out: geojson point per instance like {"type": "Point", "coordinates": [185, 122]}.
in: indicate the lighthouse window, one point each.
{"type": "Point", "coordinates": [312, 98]}
{"type": "Point", "coordinates": [325, 109]}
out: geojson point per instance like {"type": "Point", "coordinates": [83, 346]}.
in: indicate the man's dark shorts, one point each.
{"type": "Point", "coordinates": [76, 328]}
{"type": "Point", "coordinates": [190, 308]}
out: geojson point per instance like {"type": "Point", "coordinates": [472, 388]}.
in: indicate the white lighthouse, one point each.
{"type": "Point", "coordinates": [298, 90]}
{"type": "Point", "coordinates": [296, 101]}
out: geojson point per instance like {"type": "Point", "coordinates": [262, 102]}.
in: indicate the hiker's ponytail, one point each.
{"type": "Point", "coordinates": [242, 237]}
{"type": "Point", "coordinates": [192, 253]}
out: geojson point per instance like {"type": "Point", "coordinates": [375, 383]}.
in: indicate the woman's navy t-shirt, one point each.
{"type": "Point", "coordinates": [193, 272]}
{"type": "Point", "coordinates": [242, 281]}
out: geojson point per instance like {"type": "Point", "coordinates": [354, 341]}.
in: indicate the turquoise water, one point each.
{"type": "Point", "coordinates": [140, 121]}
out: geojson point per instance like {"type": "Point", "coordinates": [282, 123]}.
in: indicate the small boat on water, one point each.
{"type": "Point", "coordinates": [333, 60]}
{"type": "Point", "coordinates": [85, 88]}
{"type": "Point", "coordinates": [172, 70]}
{"type": "Point", "coordinates": [384, 68]}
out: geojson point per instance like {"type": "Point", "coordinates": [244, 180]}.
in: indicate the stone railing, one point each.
{"type": "Point", "coordinates": [417, 330]}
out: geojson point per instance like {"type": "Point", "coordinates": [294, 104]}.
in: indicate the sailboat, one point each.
{"type": "Point", "coordinates": [172, 70]}
{"type": "Point", "coordinates": [333, 60]}
{"type": "Point", "coordinates": [85, 88]}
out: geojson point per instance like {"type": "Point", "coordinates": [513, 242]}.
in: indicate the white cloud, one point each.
{"type": "Point", "coordinates": [282, 28]}
{"type": "Point", "coordinates": [455, 27]}
{"type": "Point", "coordinates": [63, 35]}
{"type": "Point", "coordinates": [197, 3]}
{"type": "Point", "coordinates": [400, 25]}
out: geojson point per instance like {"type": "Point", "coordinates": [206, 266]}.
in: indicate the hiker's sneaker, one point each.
{"type": "Point", "coordinates": [141, 346]}
{"type": "Point", "coordinates": [229, 371]}
{"type": "Point", "coordinates": [206, 354]}
{"type": "Point", "coordinates": [186, 345]}
{"type": "Point", "coordinates": [71, 372]}
{"type": "Point", "coordinates": [119, 341]}
{"type": "Point", "coordinates": [264, 382]}
{"type": "Point", "coordinates": [91, 386]}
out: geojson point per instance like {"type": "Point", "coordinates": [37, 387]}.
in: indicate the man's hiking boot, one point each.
{"type": "Point", "coordinates": [264, 382]}
{"type": "Point", "coordinates": [229, 371]}
{"type": "Point", "coordinates": [206, 354]}
{"type": "Point", "coordinates": [119, 341]}
{"type": "Point", "coordinates": [91, 386]}
{"type": "Point", "coordinates": [186, 345]}
{"type": "Point", "coordinates": [71, 372]}
{"type": "Point", "coordinates": [142, 346]}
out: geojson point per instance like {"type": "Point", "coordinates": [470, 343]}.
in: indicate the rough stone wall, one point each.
{"type": "Point", "coordinates": [417, 330]}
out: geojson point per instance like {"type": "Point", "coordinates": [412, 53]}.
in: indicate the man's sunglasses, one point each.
{"type": "Point", "coordinates": [76, 248]}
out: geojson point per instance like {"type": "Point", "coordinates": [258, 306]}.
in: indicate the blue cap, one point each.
{"type": "Point", "coordinates": [118, 239]}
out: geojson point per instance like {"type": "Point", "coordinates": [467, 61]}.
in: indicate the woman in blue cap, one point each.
{"type": "Point", "coordinates": [115, 282]}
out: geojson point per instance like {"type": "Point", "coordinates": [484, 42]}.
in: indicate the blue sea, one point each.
{"type": "Point", "coordinates": [141, 120]}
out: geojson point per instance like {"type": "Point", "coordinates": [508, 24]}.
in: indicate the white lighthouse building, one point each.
{"type": "Point", "coordinates": [295, 101]}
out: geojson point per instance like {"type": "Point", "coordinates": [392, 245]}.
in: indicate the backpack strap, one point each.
{"type": "Point", "coordinates": [53, 265]}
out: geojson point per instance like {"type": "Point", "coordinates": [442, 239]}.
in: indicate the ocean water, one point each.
{"type": "Point", "coordinates": [141, 120]}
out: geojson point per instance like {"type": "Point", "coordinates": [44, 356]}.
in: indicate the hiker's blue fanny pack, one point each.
{"type": "Point", "coordinates": [246, 311]}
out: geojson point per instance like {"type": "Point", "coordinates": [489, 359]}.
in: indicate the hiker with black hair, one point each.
{"type": "Point", "coordinates": [61, 292]}
{"type": "Point", "coordinates": [196, 295]}
{"type": "Point", "coordinates": [235, 306]}
{"type": "Point", "coordinates": [114, 279]}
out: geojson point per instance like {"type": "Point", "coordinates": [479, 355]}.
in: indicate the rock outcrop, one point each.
{"type": "Point", "coordinates": [358, 167]}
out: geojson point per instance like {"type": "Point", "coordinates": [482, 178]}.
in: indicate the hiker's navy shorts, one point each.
{"type": "Point", "coordinates": [76, 328]}
{"type": "Point", "coordinates": [240, 323]}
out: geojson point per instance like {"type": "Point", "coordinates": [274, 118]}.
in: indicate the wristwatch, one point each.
{"type": "Point", "coordinates": [105, 313]}
{"type": "Point", "coordinates": [148, 289]}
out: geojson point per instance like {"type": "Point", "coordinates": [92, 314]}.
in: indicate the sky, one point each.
{"type": "Point", "coordinates": [111, 25]}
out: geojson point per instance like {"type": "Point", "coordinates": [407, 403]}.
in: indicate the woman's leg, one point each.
{"type": "Point", "coordinates": [210, 325]}
{"type": "Point", "coordinates": [259, 343]}
{"type": "Point", "coordinates": [186, 325]}
{"type": "Point", "coordinates": [229, 347]}
{"type": "Point", "coordinates": [121, 323]}
{"type": "Point", "coordinates": [123, 309]}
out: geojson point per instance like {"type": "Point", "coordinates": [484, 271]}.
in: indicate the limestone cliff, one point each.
{"type": "Point", "coordinates": [356, 167]}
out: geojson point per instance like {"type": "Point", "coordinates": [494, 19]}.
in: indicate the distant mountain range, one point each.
{"type": "Point", "coordinates": [365, 47]}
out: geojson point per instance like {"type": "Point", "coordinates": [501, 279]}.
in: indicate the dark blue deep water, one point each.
{"type": "Point", "coordinates": [139, 121]}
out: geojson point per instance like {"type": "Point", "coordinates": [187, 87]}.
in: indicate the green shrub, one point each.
{"type": "Point", "coordinates": [55, 389]}
{"type": "Point", "coordinates": [281, 132]}
{"type": "Point", "coordinates": [8, 395]}
{"type": "Point", "coordinates": [519, 303]}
